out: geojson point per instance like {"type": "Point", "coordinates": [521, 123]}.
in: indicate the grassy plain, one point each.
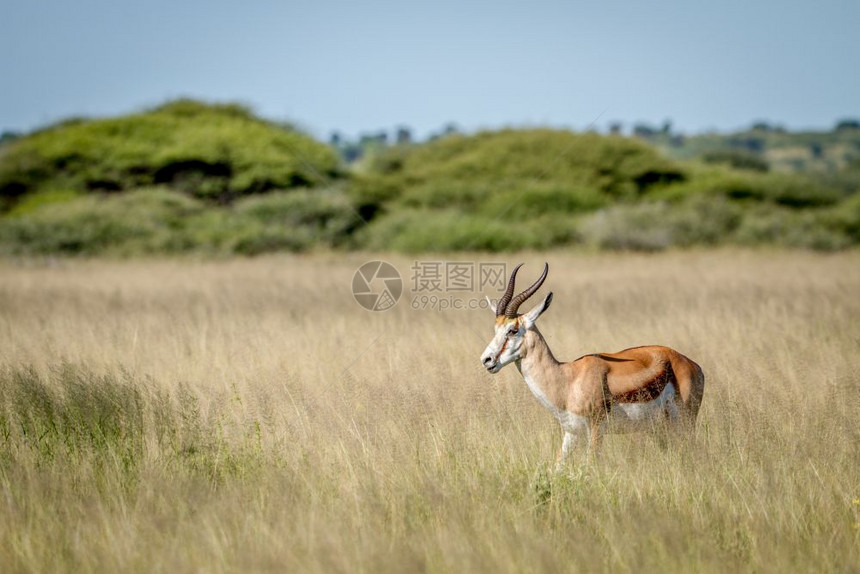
{"type": "Point", "coordinates": [247, 414]}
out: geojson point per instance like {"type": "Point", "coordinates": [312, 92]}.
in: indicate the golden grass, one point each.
{"type": "Point", "coordinates": [281, 427]}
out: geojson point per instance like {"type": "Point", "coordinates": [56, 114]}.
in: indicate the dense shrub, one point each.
{"type": "Point", "coordinates": [149, 221]}
{"type": "Point", "coordinates": [701, 220]}
{"type": "Point", "coordinates": [791, 190]}
{"type": "Point", "coordinates": [737, 159]}
{"type": "Point", "coordinates": [293, 221]}
{"type": "Point", "coordinates": [511, 189]}
{"type": "Point", "coordinates": [142, 221]}
{"type": "Point", "coordinates": [467, 170]}
{"type": "Point", "coordinates": [34, 201]}
{"type": "Point", "coordinates": [214, 151]}
{"type": "Point", "coordinates": [706, 221]}
{"type": "Point", "coordinates": [789, 228]}
{"type": "Point", "coordinates": [542, 199]}
{"type": "Point", "coordinates": [448, 230]}
{"type": "Point", "coordinates": [845, 217]}
{"type": "Point", "coordinates": [86, 187]}
{"type": "Point", "coordinates": [640, 227]}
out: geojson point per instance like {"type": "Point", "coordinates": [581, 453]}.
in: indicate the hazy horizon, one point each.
{"type": "Point", "coordinates": [359, 69]}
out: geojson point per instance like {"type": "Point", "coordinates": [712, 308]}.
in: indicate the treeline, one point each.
{"type": "Point", "coordinates": [192, 177]}
{"type": "Point", "coordinates": [762, 146]}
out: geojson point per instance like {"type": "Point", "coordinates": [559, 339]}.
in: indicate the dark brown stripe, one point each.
{"type": "Point", "coordinates": [652, 389]}
{"type": "Point", "coordinates": [502, 350]}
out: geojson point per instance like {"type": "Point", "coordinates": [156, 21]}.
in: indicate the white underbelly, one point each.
{"type": "Point", "coordinates": [627, 417]}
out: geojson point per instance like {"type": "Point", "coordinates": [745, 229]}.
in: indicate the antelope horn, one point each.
{"type": "Point", "coordinates": [509, 292]}
{"type": "Point", "coordinates": [511, 310]}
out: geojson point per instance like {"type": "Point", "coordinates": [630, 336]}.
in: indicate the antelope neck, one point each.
{"type": "Point", "coordinates": [541, 371]}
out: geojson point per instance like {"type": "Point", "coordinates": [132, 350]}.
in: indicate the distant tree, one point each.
{"type": "Point", "coordinates": [667, 127]}
{"type": "Point", "coordinates": [335, 139]}
{"type": "Point", "coordinates": [749, 143]}
{"type": "Point", "coordinates": [403, 136]}
{"type": "Point", "coordinates": [9, 136]}
{"type": "Point", "coordinates": [644, 131]}
{"type": "Point", "coordinates": [767, 127]}
{"type": "Point", "coordinates": [847, 124]}
{"type": "Point", "coordinates": [448, 129]}
{"type": "Point", "coordinates": [615, 128]}
{"type": "Point", "coordinates": [351, 152]}
{"type": "Point", "coordinates": [379, 138]}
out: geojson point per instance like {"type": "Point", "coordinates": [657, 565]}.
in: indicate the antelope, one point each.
{"type": "Point", "coordinates": [631, 390]}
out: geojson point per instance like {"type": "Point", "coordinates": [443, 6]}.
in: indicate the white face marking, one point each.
{"type": "Point", "coordinates": [505, 347]}
{"type": "Point", "coordinates": [507, 341]}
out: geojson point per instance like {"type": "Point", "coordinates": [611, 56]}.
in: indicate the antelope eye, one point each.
{"type": "Point", "coordinates": [512, 331]}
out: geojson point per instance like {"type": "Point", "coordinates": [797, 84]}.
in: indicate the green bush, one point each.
{"type": "Point", "coordinates": [370, 193]}
{"type": "Point", "coordinates": [845, 217]}
{"type": "Point", "coordinates": [294, 221]}
{"type": "Point", "coordinates": [150, 221]}
{"type": "Point", "coordinates": [142, 221]}
{"type": "Point", "coordinates": [640, 227]}
{"type": "Point", "coordinates": [34, 201]}
{"type": "Point", "coordinates": [790, 228]}
{"type": "Point", "coordinates": [85, 187]}
{"type": "Point", "coordinates": [699, 221]}
{"type": "Point", "coordinates": [464, 171]}
{"type": "Point", "coordinates": [737, 159]}
{"type": "Point", "coordinates": [415, 231]}
{"type": "Point", "coordinates": [789, 190]}
{"type": "Point", "coordinates": [799, 191]}
{"type": "Point", "coordinates": [712, 220]}
{"type": "Point", "coordinates": [214, 151]}
{"type": "Point", "coordinates": [542, 199]}
{"type": "Point", "coordinates": [505, 190]}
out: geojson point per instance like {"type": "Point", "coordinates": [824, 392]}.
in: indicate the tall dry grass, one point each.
{"type": "Point", "coordinates": [248, 415]}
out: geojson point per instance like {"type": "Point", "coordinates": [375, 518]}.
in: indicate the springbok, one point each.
{"type": "Point", "coordinates": [613, 392]}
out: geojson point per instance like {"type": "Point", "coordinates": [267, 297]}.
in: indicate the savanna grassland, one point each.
{"type": "Point", "coordinates": [246, 414]}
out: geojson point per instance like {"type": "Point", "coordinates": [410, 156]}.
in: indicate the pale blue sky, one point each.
{"type": "Point", "coordinates": [361, 66]}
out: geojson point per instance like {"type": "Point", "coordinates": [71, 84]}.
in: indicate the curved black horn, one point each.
{"type": "Point", "coordinates": [509, 292]}
{"type": "Point", "coordinates": [511, 310]}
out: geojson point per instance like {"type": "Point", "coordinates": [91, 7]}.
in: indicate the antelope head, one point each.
{"type": "Point", "coordinates": [511, 328]}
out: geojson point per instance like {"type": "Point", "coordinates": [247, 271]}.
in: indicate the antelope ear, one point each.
{"type": "Point", "coordinates": [533, 315]}
{"type": "Point", "coordinates": [491, 304]}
